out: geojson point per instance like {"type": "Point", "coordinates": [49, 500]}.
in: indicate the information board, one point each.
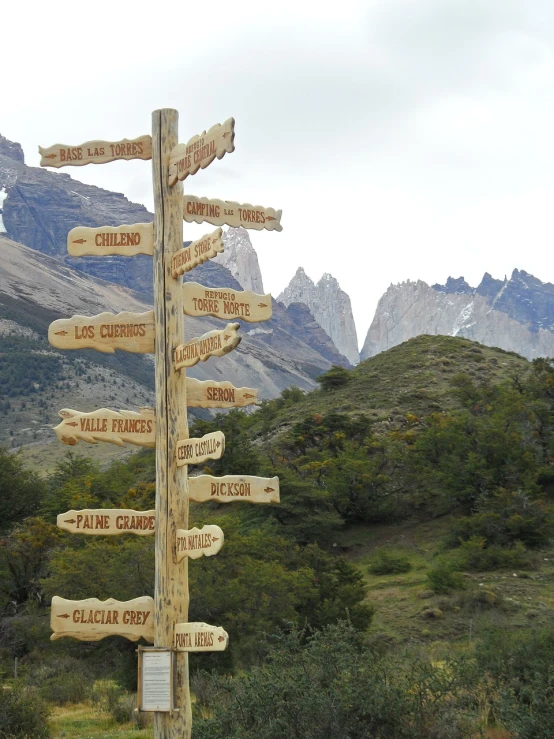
{"type": "Point", "coordinates": [155, 679]}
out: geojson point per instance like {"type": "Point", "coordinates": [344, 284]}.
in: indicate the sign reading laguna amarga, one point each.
{"type": "Point", "coordinates": [95, 152]}
{"type": "Point", "coordinates": [108, 522]}
{"type": "Point", "coordinates": [106, 332]}
{"type": "Point", "coordinates": [226, 489]}
{"type": "Point", "coordinates": [125, 241]}
{"type": "Point", "coordinates": [197, 253]}
{"type": "Point", "coordinates": [201, 150]}
{"type": "Point", "coordinates": [199, 637]}
{"type": "Point", "coordinates": [93, 619]}
{"type": "Point", "coordinates": [117, 427]}
{"type": "Point", "coordinates": [212, 394]}
{"type": "Point", "coordinates": [225, 303]}
{"type": "Point", "coordinates": [196, 451]}
{"type": "Point", "coordinates": [195, 542]}
{"type": "Point", "coordinates": [220, 212]}
{"type": "Point", "coordinates": [212, 344]}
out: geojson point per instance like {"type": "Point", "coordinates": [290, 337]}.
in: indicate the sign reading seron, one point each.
{"type": "Point", "coordinates": [199, 637]}
{"type": "Point", "coordinates": [106, 332]}
{"type": "Point", "coordinates": [117, 427]}
{"type": "Point", "coordinates": [93, 619]}
{"type": "Point", "coordinates": [95, 152]}
{"type": "Point", "coordinates": [125, 241]}
{"type": "Point", "coordinates": [196, 451]}
{"type": "Point", "coordinates": [201, 150]}
{"type": "Point", "coordinates": [212, 344]}
{"type": "Point", "coordinates": [248, 488]}
{"type": "Point", "coordinates": [197, 253]}
{"type": "Point", "coordinates": [212, 394]}
{"type": "Point", "coordinates": [220, 212]}
{"type": "Point", "coordinates": [225, 303]}
{"type": "Point", "coordinates": [108, 522]}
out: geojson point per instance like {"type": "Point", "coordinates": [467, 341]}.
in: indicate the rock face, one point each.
{"type": "Point", "coordinates": [330, 306]}
{"type": "Point", "coordinates": [241, 260]}
{"type": "Point", "coordinates": [515, 314]}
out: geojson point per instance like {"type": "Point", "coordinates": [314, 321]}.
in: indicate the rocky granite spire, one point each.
{"type": "Point", "coordinates": [330, 306]}
{"type": "Point", "coordinates": [241, 260]}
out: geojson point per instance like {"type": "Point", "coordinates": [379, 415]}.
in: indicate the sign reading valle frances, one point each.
{"type": "Point", "coordinates": [196, 451]}
{"type": "Point", "coordinates": [107, 522]}
{"type": "Point", "coordinates": [212, 394]}
{"type": "Point", "coordinates": [198, 637]}
{"type": "Point", "coordinates": [195, 542]}
{"type": "Point", "coordinates": [93, 619]}
{"type": "Point", "coordinates": [219, 212]}
{"type": "Point", "coordinates": [212, 344]}
{"type": "Point", "coordinates": [197, 253]}
{"type": "Point", "coordinates": [107, 425]}
{"type": "Point", "coordinates": [201, 150]}
{"type": "Point", "coordinates": [234, 487]}
{"type": "Point", "coordinates": [225, 303]}
{"type": "Point", "coordinates": [125, 241]}
{"type": "Point", "coordinates": [95, 152]}
{"type": "Point", "coordinates": [106, 332]}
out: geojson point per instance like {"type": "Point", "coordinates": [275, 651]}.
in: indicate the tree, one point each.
{"type": "Point", "coordinates": [334, 378]}
{"type": "Point", "coordinates": [20, 490]}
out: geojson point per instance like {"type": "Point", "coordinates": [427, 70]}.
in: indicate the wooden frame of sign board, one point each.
{"type": "Point", "coordinates": [142, 706]}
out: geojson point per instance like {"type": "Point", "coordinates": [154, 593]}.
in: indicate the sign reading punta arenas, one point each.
{"type": "Point", "coordinates": [162, 620]}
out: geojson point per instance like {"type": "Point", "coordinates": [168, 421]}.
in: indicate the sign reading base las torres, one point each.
{"type": "Point", "coordinates": [95, 152]}
{"type": "Point", "coordinates": [93, 619]}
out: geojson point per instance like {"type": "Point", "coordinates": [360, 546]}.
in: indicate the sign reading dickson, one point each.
{"type": "Point", "coordinates": [108, 522]}
{"type": "Point", "coordinates": [95, 152]}
{"type": "Point", "coordinates": [225, 303]}
{"type": "Point", "coordinates": [93, 619]}
{"type": "Point", "coordinates": [220, 212]}
{"type": "Point", "coordinates": [199, 637]}
{"type": "Point", "coordinates": [226, 489]}
{"type": "Point", "coordinates": [106, 332]}
{"type": "Point", "coordinates": [195, 542]}
{"type": "Point", "coordinates": [196, 451]}
{"type": "Point", "coordinates": [197, 253]}
{"type": "Point", "coordinates": [107, 425]}
{"type": "Point", "coordinates": [126, 241]}
{"type": "Point", "coordinates": [212, 344]}
{"type": "Point", "coordinates": [201, 150]}
{"type": "Point", "coordinates": [212, 394]}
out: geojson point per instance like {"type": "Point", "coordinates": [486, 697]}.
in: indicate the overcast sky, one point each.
{"type": "Point", "coordinates": [403, 139]}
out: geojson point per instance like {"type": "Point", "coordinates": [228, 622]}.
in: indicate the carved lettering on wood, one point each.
{"type": "Point", "coordinates": [197, 542]}
{"type": "Point", "coordinates": [225, 303]}
{"type": "Point", "coordinates": [93, 619]}
{"type": "Point", "coordinates": [95, 152]}
{"type": "Point", "coordinates": [212, 394]}
{"type": "Point", "coordinates": [196, 253]}
{"type": "Point", "coordinates": [196, 451]}
{"type": "Point", "coordinates": [106, 332]}
{"type": "Point", "coordinates": [199, 637]}
{"type": "Point", "coordinates": [108, 522]}
{"type": "Point", "coordinates": [125, 241]}
{"type": "Point", "coordinates": [107, 425]}
{"type": "Point", "coordinates": [212, 344]}
{"type": "Point", "coordinates": [201, 150]}
{"type": "Point", "coordinates": [247, 488]}
{"type": "Point", "coordinates": [220, 212]}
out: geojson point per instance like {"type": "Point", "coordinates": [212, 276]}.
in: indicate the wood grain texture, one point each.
{"type": "Point", "coordinates": [106, 332]}
{"type": "Point", "coordinates": [107, 522]}
{"type": "Point", "coordinates": [196, 451]}
{"type": "Point", "coordinates": [201, 150]}
{"type": "Point", "coordinates": [207, 247]}
{"type": "Point", "coordinates": [246, 488]}
{"type": "Point", "coordinates": [215, 343]}
{"type": "Point", "coordinates": [124, 241]}
{"type": "Point", "coordinates": [93, 619]}
{"type": "Point", "coordinates": [219, 212]}
{"type": "Point", "coordinates": [116, 427]}
{"type": "Point", "coordinates": [95, 152]}
{"type": "Point", "coordinates": [199, 637]}
{"type": "Point", "coordinates": [225, 303]}
{"type": "Point", "coordinates": [197, 542]}
{"type": "Point", "coordinates": [212, 394]}
{"type": "Point", "coordinates": [171, 600]}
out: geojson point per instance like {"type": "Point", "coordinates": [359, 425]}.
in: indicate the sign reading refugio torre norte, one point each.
{"type": "Point", "coordinates": [162, 620]}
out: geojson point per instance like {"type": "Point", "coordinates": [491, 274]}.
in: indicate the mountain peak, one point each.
{"type": "Point", "coordinates": [11, 149]}
{"type": "Point", "coordinates": [241, 260]}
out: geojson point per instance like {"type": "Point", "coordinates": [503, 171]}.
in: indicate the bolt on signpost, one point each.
{"type": "Point", "coordinates": [163, 669]}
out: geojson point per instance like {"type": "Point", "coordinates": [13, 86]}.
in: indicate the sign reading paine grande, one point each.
{"type": "Point", "coordinates": [198, 637]}
{"type": "Point", "coordinates": [108, 522]}
{"type": "Point", "coordinates": [219, 212]}
{"type": "Point", "coordinates": [126, 241]}
{"type": "Point", "coordinates": [107, 425]}
{"type": "Point", "coordinates": [201, 150]}
{"type": "Point", "coordinates": [212, 394]}
{"type": "Point", "coordinates": [195, 542]}
{"type": "Point", "coordinates": [212, 344]}
{"type": "Point", "coordinates": [106, 332]}
{"type": "Point", "coordinates": [225, 303]}
{"type": "Point", "coordinates": [93, 619]}
{"type": "Point", "coordinates": [226, 489]}
{"type": "Point", "coordinates": [196, 451]}
{"type": "Point", "coordinates": [197, 253]}
{"type": "Point", "coordinates": [95, 152]}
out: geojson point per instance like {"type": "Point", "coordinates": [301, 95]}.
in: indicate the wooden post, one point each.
{"type": "Point", "coordinates": [171, 592]}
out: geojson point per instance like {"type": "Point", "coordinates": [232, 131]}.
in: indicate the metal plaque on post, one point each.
{"type": "Point", "coordinates": [156, 678]}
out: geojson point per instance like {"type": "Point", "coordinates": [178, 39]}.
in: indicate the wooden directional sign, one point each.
{"type": "Point", "coordinates": [95, 152]}
{"type": "Point", "coordinates": [225, 303]}
{"type": "Point", "coordinates": [195, 542]}
{"type": "Point", "coordinates": [234, 487]}
{"type": "Point", "coordinates": [212, 344]}
{"type": "Point", "coordinates": [125, 241]}
{"type": "Point", "coordinates": [107, 425]}
{"type": "Point", "coordinates": [196, 451]}
{"type": "Point", "coordinates": [106, 332]}
{"type": "Point", "coordinates": [196, 253]}
{"type": "Point", "coordinates": [93, 619]}
{"type": "Point", "coordinates": [199, 637]}
{"type": "Point", "coordinates": [219, 212]}
{"type": "Point", "coordinates": [108, 522]}
{"type": "Point", "coordinates": [212, 394]}
{"type": "Point", "coordinates": [201, 150]}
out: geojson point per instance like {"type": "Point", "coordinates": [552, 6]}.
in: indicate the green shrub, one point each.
{"type": "Point", "coordinates": [445, 577]}
{"type": "Point", "coordinates": [475, 555]}
{"type": "Point", "coordinates": [389, 563]}
{"type": "Point", "coordinates": [66, 680]}
{"type": "Point", "coordinates": [334, 378]}
{"type": "Point", "coordinates": [23, 715]}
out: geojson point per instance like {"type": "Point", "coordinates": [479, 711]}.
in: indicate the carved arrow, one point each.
{"type": "Point", "coordinates": [221, 638]}
{"type": "Point", "coordinates": [226, 337]}
{"type": "Point", "coordinates": [248, 395]}
{"type": "Point", "coordinates": [79, 241]}
{"type": "Point", "coordinates": [51, 156]}
{"type": "Point", "coordinates": [262, 305]}
{"type": "Point", "coordinates": [63, 615]}
{"type": "Point", "coordinates": [268, 490]}
{"type": "Point", "coordinates": [69, 520]}
{"type": "Point", "coordinates": [61, 333]}
{"type": "Point", "coordinates": [270, 218]}
{"type": "Point", "coordinates": [72, 423]}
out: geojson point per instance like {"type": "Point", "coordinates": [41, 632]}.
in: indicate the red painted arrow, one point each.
{"type": "Point", "coordinates": [64, 615]}
{"type": "Point", "coordinates": [73, 423]}
{"type": "Point", "coordinates": [220, 638]}
{"type": "Point", "coordinates": [270, 218]}
{"type": "Point", "coordinates": [225, 134]}
{"type": "Point", "coordinates": [227, 336]}
{"type": "Point", "coordinates": [268, 490]}
{"type": "Point", "coordinates": [218, 444]}
{"type": "Point", "coordinates": [80, 241]}
{"type": "Point", "coordinates": [248, 395]}
{"type": "Point", "coordinates": [50, 156]}
{"type": "Point", "coordinates": [262, 305]}
{"type": "Point", "coordinates": [215, 538]}
{"type": "Point", "coordinates": [60, 333]}
{"type": "Point", "coordinates": [69, 520]}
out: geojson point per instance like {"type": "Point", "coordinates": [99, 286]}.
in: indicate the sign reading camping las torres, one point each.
{"type": "Point", "coordinates": [106, 332]}
{"type": "Point", "coordinates": [95, 152]}
{"type": "Point", "coordinates": [125, 241]}
{"type": "Point", "coordinates": [92, 619]}
{"type": "Point", "coordinates": [219, 212]}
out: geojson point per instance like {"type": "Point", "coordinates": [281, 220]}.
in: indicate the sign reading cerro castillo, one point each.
{"type": "Point", "coordinates": [106, 332]}
{"type": "Point", "coordinates": [225, 303]}
{"type": "Point", "coordinates": [125, 241]}
{"type": "Point", "coordinates": [107, 425]}
{"type": "Point", "coordinates": [197, 253]}
{"type": "Point", "coordinates": [212, 394]}
{"type": "Point", "coordinates": [248, 488]}
{"type": "Point", "coordinates": [93, 619]}
{"type": "Point", "coordinates": [196, 451]}
{"type": "Point", "coordinates": [95, 152]}
{"type": "Point", "coordinates": [201, 150]}
{"type": "Point", "coordinates": [212, 344]}
{"type": "Point", "coordinates": [197, 542]}
{"type": "Point", "coordinates": [199, 637]}
{"type": "Point", "coordinates": [108, 522]}
{"type": "Point", "coordinates": [220, 212]}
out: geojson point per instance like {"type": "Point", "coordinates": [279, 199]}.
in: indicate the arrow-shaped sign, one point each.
{"type": "Point", "coordinates": [197, 542]}
{"type": "Point", "coordinates": [212, 344]}
{"type": "Point", "coordinates": [226, 489]}
{"type": "Point", "coordinates": [123, 241]}
{"type": "Point", "coordinates": [196, 451]}
{"type": "Point", "coordinates": [221, 212]}
{"type": "Point", "coordinates": [107, 425]}
{"type": "Point", "coordinates": [106, 332]}
{"type": "Point", "coordinates": [108, 522]}
{"type": "Point", "coordinates": [197, 253]}
{"type": "Point", "coordinates": [201, 150]}
{"type": "Point", "coordinates": [199, 637]}
{"type": "Point", "coordinates": [211, 394]}
{"type": "Point", "coordinates": [225, 303]}
{"type": "Point", "coordinates": [96, 152]}
{"type": "Point", "coordinates": [93, 619]}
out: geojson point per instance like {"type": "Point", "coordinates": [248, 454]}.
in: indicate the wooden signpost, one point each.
{"type": "Point", "coordinates": [164, 677]}
{"type": "Point", "coordinates": [106, 332]}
